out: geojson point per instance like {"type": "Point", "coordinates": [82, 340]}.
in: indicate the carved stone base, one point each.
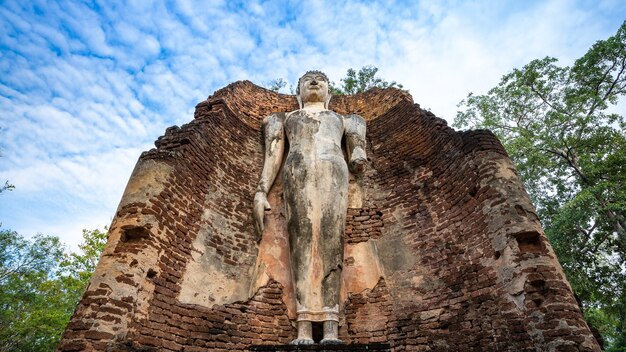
{"type": "Point", "coordinates": [380, 347]}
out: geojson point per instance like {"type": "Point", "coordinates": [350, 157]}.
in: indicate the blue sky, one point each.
{"type": "Point", "coordinates": [86, 86]}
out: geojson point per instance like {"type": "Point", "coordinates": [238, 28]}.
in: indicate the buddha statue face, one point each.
{"type": "Point", "coordinates": [313, 87]}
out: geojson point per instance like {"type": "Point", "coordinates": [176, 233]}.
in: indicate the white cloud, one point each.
{"type": "Point", "coordinates": [61, 197]}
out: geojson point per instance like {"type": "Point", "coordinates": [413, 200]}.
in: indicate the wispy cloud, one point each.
{"type": "Point", "coordinates": [84, 88]}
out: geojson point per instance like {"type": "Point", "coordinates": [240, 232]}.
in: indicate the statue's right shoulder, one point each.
{"type": "Point", "coordinates": [274, 118]}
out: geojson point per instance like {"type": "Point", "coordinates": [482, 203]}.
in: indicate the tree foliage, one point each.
{"type": "Point", "coordinates": [361, 81]}
{"type": "Point", "coordinates": [40, 287]}
{"type": "Point", "coordinates": [6, 187]}
{"type": "Point", "coordinates": [570, 152]}
{"type": "Point", "coordinates": [277, 84]}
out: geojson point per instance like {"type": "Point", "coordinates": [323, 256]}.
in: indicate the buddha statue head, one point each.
{"type": "Point", "coordinates": [313, 87]}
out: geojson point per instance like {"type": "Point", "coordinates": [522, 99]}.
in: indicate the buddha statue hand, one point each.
{"type": "Point", "coordinates": [358, 161]}
{"type": "Point", "coordinates": [260, 205]}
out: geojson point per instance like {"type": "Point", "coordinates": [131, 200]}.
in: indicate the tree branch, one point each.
{"type": "Point", "coordinates": [594, 106]}
{"type": "Point", "coordinates": [534, 90]}
{"type": "Point", "coordinates": [618, 224]}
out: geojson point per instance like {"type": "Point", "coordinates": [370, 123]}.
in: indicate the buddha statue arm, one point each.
{"type": "Point", "coordinates": [354, 127]}
{"type": "Point", "coordinates": [274, 138]}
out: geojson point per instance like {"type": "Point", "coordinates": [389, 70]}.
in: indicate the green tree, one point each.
{"type": "Point", "coordinates": [277, 84]}
{"type": "Point", "coordinates": [40, 287]}
{"type": "Point", "coordinates": [570, 152]}
{"type": "Point", "coordinates": [361, 81]}
{"type": "Point", "coordinates": [27, 315]}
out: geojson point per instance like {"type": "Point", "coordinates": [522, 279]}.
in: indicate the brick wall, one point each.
{"type": "Point", "coordinates": [462, 262]}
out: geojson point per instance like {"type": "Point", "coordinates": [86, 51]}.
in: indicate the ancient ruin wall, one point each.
{"type": "Point", "coordinates": [443, 249]}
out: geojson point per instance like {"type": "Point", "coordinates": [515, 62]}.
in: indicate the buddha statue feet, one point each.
{"type": "Point", "coordinates": [302, 342]}
{"type": "Point", "coordinates": [331, 342]}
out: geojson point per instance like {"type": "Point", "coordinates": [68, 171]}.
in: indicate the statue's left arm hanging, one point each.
{"type": "Point", "coordinates": [274, 144]}
{"type": "Point", "coordinates": [355, 126]}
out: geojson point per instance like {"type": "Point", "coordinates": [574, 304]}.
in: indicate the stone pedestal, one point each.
{"type": "Point", "coordinates": [382, 347]}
